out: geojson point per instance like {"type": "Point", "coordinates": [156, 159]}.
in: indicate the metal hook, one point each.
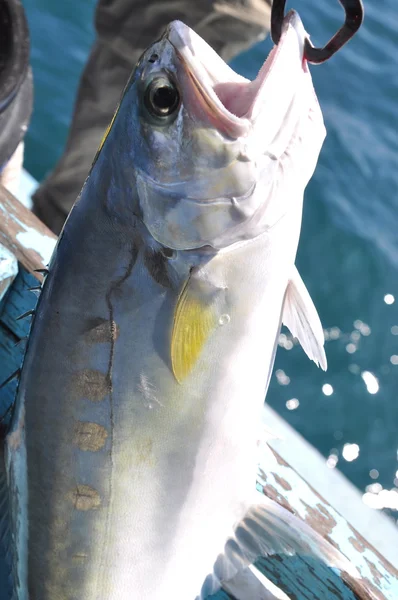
{"type": "Point", "coordinates": [353, 20]}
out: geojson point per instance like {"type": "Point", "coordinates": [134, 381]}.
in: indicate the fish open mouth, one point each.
{"type": "Point", "coordinates": [233, 102]}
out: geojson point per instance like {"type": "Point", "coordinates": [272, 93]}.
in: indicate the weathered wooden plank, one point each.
{"type": "Point", "coordinates": [8, 269]}
{"type": "Point", "coordinates": [277, 480]}
{"type": "Point", "coordinates": [31, 242]}
{"type": "Point", "coordinates": [376, 527]}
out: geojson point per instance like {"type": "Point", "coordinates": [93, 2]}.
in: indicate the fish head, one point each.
{"type": "Point", "coordinates": [218, 158]}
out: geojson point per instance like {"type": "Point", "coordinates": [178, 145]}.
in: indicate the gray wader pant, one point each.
{"type": "Point", "coordinates": [125, 28]}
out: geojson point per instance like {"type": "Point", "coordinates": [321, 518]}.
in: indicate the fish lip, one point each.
{"type": "Point", "coordinates": [195, 54]}
{"type": "Point", "coordinates": [189, 46]}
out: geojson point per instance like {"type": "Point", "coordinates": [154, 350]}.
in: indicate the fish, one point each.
{"type": "Point", "coordinates": [132, 452]}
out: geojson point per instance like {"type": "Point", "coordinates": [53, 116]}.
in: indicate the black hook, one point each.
{"type": "Point", "coordinates": [353, 20]}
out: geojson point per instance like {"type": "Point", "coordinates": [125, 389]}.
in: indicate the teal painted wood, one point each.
{"type": "Point", "coordinates": [309, 578]}
{"type": "Point", "coordinates": [18, 301]}
{"type": "Point", "coordinates": [10, 360]}
{"type": "Point", "coordinates": [300, 577]}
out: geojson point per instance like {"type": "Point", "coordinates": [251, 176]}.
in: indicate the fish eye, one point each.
{"type": "Point", "coordinates": [161, 98]}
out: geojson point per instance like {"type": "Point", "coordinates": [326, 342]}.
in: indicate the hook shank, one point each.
{"type": "Point", "coordinates": [353, 20]}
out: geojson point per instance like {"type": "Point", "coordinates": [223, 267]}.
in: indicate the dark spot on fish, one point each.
{"type": "Point", "coordinates": [85, 498]}
{"type": "Point", "coordinates": [153, 58]}
{"type": "Point", "coordinates": [101, 331]}
{"type": "Point", "coordinates": [89, 436]}
{"type": "Point", "coordinates": [168, 253]}
{"type": "Point", "coordinates": [156, 264]}
{"type": "Point", "coordinates": [92, 384]}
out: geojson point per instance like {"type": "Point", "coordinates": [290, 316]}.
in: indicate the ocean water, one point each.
{"type": "Point", "coordinates": [348, 253]}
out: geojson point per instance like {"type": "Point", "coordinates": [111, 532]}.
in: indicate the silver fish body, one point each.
{"type": "Point", "coordinates": [132, 454]}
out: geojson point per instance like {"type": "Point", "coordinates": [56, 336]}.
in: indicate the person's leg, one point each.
{"type": "Point", "coordinates": [125, 29]}
{"type": "Point", "coordinates": [16, 91]}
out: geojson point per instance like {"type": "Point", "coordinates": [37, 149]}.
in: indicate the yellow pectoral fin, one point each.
{"type": "Point", "coordinates": [195, 317]}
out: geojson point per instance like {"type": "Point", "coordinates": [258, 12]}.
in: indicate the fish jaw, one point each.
{"type": "Point", "coordinates": [248, 147]}
{"type": "Point", "coordinates": [234, 103]}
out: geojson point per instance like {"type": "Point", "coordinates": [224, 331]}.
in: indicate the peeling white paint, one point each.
{"type": "Point", "coordinates": [33, 240]}
{"type": "Point", "coordinates": [337, 491]}
{"type": "Point", "coordinates": [8, 268]}
{"type": "Point", "coordinates": [301, 496]}
{"type": "Point", "coordinates": [28, 185]}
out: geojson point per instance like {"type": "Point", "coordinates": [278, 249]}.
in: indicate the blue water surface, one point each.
{"type": "Point", "coordinates": [348, 253]}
